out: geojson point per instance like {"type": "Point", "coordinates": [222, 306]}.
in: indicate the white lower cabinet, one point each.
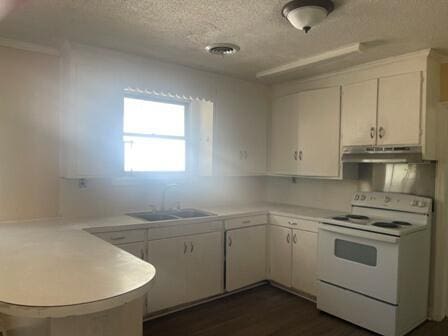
{"type": "Point", "coordinates": [188, 268]}
{"type": "Point", "coordinates": [293, 258]}
{"type": "Point", "coordinates": [245, 256]}
{"type": "Point", "coordinates": [280, 255]}
{"type": "Point", "coordinates": [304, 261]}
{"type": "Point", "coordinates": [137, 249]}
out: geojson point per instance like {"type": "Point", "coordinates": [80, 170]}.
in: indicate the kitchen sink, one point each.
{"type": "Point", "coordinates": [156, 216]}
{"type": "Point", "coordinates": [191, 213]}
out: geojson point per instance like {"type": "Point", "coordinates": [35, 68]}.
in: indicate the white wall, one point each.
{"type": "Point", "coordinates": [28, 135]}
{"type": "Point", "coordinates": [106, 197]}
{"type": "Point", "coordinates": [315, 193]}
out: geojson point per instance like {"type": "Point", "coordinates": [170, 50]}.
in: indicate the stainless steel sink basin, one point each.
{"type": "Point", "coordinates": [191, 213]}
{"type": "Point", "coordinates": [156, 216]}
{"type": "Point", "coordinates": [153, 216]}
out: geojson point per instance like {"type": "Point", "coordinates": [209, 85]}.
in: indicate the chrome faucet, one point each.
{"type": "Point", "coordinates": [165, 190]}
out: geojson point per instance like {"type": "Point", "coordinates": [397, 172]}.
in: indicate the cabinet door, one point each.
{"type": "Point", "coordinates": [280, 255]}
{"type": "Point", "coordinates": [205, 266]}
{"type": "Point", "coordinates": [170, 287]}
{"type": "Point", "coordinates": [304, 261]}
{"type": "Point", "coordinates": [399, 107]}
{"type": "Point", "coordinates": [245, 256]}
{"type": "Point", "coordinates": [285, 111]}
{"type": "Point", "coordinates": [136, 249]}
{"type": "Point", "coordinates": [319, 130]}
{"type": "Point", "coordinates": [359, 108]}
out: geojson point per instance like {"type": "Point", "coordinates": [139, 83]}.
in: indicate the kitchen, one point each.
{"type": "Point", "coordinates": [182, 186]}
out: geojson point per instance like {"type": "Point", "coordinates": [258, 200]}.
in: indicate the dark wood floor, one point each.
{"type": "Point", "coordinates": [260, 312]}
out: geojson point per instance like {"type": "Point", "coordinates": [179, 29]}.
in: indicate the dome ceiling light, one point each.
{"type": "Point", "coordinates": [305, 14]}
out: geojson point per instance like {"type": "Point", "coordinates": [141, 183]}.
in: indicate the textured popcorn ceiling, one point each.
{"type": "Point", "coordinates": [178, 30]}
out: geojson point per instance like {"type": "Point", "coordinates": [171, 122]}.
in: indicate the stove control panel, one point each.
{"type": "Point", "coordinates": [393, 201]}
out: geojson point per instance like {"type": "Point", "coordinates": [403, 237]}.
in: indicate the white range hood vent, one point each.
{"type": "Point", "coordinates": [383, 154]}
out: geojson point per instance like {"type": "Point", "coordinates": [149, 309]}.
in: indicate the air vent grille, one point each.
{"type": "Point", "coordinates": [223, 49]}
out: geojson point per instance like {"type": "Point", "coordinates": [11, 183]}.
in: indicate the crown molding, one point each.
{"type": "Point", "coordinates": [27, 46]}
{"type": "Point", "coordinates": [307, 62]}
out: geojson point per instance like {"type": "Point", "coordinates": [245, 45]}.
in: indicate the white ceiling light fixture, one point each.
{"type": "Point", "coordinates": [305, 14]}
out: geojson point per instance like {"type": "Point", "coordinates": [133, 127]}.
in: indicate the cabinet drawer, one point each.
{"type": "Point", "coordinates": [245, 221]}
{"type": "Point", "coordinates": [184, 230]}
{"type": "Point", "coordinates": [294, 223]}
{"type": "Point", "coordinates": [123, 237]}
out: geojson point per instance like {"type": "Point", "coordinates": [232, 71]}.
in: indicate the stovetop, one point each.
{"type": "Point", "coordinates": [393, 227]}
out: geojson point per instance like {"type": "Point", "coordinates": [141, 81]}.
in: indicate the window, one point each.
{"type": "Point", "coordinates": [154, 135]}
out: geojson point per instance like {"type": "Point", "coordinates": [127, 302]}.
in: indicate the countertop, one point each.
{"type": "Point", "coordinates": [54, 268]}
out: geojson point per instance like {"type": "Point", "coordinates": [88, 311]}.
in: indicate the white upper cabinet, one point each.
{"type": "Point", "coordinates": [359, 109]}
{"type": "Point", "coordinates": [399, 109]}
{"type": "Point", "coordinates": [385, 111]}
{"type": "Point", "coordinates": [319, 130]}
{"type": "Point", "coordinates": [284, 135]}
{"type": "Point", "coordinates": [305, 133]}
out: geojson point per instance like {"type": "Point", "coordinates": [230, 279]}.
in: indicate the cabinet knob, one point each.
{"type": "Point", "coordinates": [382, 132]}
{"type": "Point", "coordinates": [372, 132]}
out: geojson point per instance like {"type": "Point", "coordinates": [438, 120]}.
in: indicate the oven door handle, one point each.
{"type": "Point", "coordinates": [359, 233]}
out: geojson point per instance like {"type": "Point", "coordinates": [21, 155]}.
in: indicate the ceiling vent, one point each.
{"type": "Point", "coordinates": [222, 49]}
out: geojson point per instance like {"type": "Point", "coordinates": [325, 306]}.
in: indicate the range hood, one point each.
{"type": "Point", "coordinates": [382, 154]}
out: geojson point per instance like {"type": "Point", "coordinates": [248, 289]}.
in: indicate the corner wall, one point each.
{"type": "Point", "coordinates": [28, 135]}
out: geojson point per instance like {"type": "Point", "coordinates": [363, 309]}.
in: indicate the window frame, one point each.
{"type": "Point", "coordinates": [161, 99]}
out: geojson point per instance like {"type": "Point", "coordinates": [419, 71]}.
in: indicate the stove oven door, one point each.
{"type": "Point", "coordinates": [360, 261]}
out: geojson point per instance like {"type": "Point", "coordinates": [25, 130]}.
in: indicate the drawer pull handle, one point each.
{"type": "Point", "coordinates": [294, 238]}
{"type": "Point", "coordinates": [230, 241]}
{"type": "Point", "coordinates": [185, 247]}
{"type": "Point", "coordinates": [288, 238]}
{"type": "Point", "coordinates": [118, 238]}
{"type": "Point", "coordinates": [292, 223]}
{"type": "Point", "coordinates": [246, 222]}
{"type": "Point", "coordinates": [191, 247]}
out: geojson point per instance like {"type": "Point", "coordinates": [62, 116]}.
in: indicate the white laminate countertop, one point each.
{"type": "Point", "coordinates": [48, 269]}
{"type": "Point", "coordinates": [54, 268]}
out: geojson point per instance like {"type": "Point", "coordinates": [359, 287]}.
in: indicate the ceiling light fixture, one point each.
{"type": "Point", "coordinates": [222, 49]}
{"type": "Point", "coordinates": [305, 14]}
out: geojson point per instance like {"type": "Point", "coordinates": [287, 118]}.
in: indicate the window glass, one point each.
{"type": "Point", "coordinates": [153, 136]}
{"type": "Point", "coordinates": [153, 117]}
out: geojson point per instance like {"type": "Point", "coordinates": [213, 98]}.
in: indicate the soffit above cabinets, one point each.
{"type": "Point", "coordinates": [178, 31]}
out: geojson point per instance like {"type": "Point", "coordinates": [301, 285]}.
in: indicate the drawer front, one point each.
{"type": "Point", "coordinates": [294, 223]}
{"type": "Point", "coordinates": [245, 221]}
{"type": "Point", "coordinates": [371, 314]}
{"type": "Point", "coordinates": [123, 237]}
{"type": "Point", "coordinates": [183, 230]}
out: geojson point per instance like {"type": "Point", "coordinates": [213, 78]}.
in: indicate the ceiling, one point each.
{"type": "Point", "coordinates": [178, 30]}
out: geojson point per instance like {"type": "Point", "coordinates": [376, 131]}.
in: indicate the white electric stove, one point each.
{"type": "Point", "coordinates": [374, 262]}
